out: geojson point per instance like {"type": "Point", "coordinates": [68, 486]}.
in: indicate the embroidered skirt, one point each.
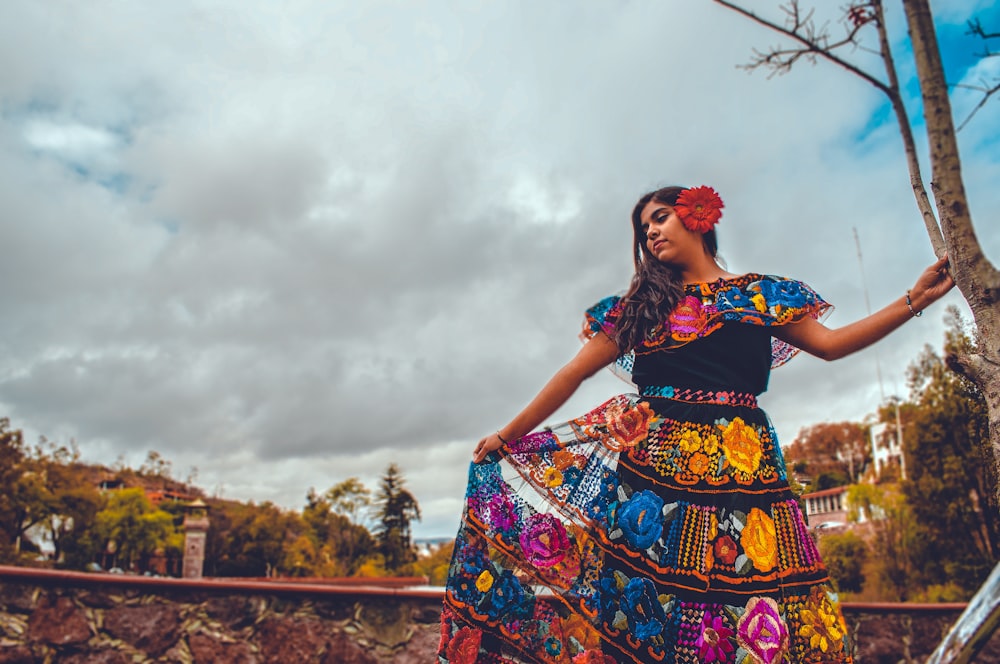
{"type": "Point", "coordinates": [656, 528]}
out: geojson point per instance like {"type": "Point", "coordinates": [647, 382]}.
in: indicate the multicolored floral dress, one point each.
{"type": "Point", "coordinates": [658, 527]}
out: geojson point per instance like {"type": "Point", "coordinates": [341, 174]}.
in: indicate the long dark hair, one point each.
{"type": "Point", "coordinates": [656, 287]}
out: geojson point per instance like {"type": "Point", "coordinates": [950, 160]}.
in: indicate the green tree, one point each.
{"type": "Point", "coordinates": [343, 546]}
{"type": "Point", "coordinates": [72, 506]}
{"type": "Point", "coordinates": [844, 555]}
{"type": "Point", "coordinates": [397, 508]}
{"type": "Point", "coordinates": [352, 499]}
{"type": "Point", "coordinates": [132, 528]}
{"type": "Point", "coordinates": [947, 483]}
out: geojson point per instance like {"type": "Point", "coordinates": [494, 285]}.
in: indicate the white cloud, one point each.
{"type": "Point", "coordinates": [288, 244]}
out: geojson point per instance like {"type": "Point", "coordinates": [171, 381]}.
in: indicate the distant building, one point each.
{"type": "Point", "coordinates": [827, 508]}
{"type": "Point", "coordinates": [887, 450]}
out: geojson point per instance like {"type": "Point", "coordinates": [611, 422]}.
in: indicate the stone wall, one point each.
{"type": "Point", "coordinates": [48, 616]}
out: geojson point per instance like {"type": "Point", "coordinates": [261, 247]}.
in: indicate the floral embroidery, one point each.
{"type": "Point", "coordinates": [544, 540]}
{"type": "Point", "coordinates": [762, 632]}
{"type": "Point", "coordinates": [698, 464]}
{"type": "Point", "coordinates": [639, 518]}
{"type": "Point", "coordinates": [630, 426]}
{"type": "Point", "coordinates": [502, 513]}
{"type": "Point", "coordinates": [687, 319]}
{"type": "Point", "coordinates": [506, 596]}
{"type": "Point", "coordinates": [714, 641]}
{"type": "Point", "coordinates": [690, 441]}
{"type": "Point", "coordinates": [484, 582]}
{"type": "Point", "coordinates": [625, 514]}
{"type": "Point", "coordinates": [553, 477]}
{"type": "Point", "coordinates": [642, 608]}
{"type": "Point", "coordinates": [822, 625]}
{"type": "Point", "coordinates": [464, 646]}
{"type": "Point", "coordinates": [725, 550]}
{"type": "Point", "coordinates": [741, 444]}
{"type": "Point", "coordinates": [759, 540]}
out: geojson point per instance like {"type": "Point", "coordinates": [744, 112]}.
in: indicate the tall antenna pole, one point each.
{"type": "Point", "coordinates": [868, 306]}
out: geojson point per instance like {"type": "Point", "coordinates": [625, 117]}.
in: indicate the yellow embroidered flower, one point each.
{"type": "Point", "coordinates": [552, 477]}
{"type": "Point", "coordinates": [710, 444]}
{"type": "Point", "coordinates": [484, 582]}
{"type": "Point", "coordinates": [759, 302]}
{"type": "Point", "coordinates": [690, 441]}
{"type": "Point", "coordinates": [742, 447]}
{"type": "Point", "coordinates": [759, 540]}
{"type": "Point", "coordinates": [822, 625]}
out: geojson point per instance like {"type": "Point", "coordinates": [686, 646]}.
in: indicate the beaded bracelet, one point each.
{"type": "Point", "coordinates": [909, 305]}
{"type": "Point", "coordinates": [501, 438]}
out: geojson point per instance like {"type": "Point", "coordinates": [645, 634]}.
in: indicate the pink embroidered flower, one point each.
{"type": "Point", "coordinates": [761, 631]}
{"type": "Point", "coordinates": [714, 641]}
{"type": "Point", "coordinates": [544, 540]}
{"type": "Point", "coordinates": [503, 514]}
{"type": "Point", "coordinates": [687, 319]}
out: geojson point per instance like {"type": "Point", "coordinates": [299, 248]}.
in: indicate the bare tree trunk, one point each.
{"type": "Point", "coordinates": [975, 276]}
{"type": "Point", "coordinates": [979, 282]}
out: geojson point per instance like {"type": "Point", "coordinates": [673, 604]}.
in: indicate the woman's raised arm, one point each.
{"type": "Point", "coordinates": [830, 344]}
{"type": "Point", "coordinates": [597, 353]}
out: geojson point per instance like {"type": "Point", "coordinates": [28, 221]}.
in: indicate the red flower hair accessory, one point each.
{"type": "Point", "coordinates": [699, 208]}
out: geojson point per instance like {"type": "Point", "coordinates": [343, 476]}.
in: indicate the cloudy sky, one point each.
{"type": "Point", "coordinates": [290, 243]}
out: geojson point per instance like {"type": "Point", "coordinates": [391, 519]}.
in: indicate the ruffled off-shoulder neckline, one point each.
{"type": "Point", "coordinates": [752, 298]}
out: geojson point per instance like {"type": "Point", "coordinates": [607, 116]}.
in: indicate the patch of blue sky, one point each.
{"type": "Point", "coordinates": [960, 52]}
{"type": "Point", "coordinates": [169, 224]}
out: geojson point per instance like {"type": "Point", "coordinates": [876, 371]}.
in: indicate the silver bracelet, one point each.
{"type": "Point", "coordinates": [909, 305]}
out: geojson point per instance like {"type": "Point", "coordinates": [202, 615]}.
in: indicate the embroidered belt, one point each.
{"type": "Point", "coordinates": [720, 398]}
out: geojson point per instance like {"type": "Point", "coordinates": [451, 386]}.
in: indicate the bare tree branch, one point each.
{"type": "Point", "coordinates": [815, 42]}
{"type": "Point", "coordinates": [987, 93]}
{"type": "Point", "coordinates": [976, 28]}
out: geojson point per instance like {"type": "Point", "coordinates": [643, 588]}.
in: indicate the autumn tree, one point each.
{"type": "Point", "coordinates": [397, 508]}
{"type": "Point", "coordinates": [253, 540]}
{"type": "Point", "coordinates": [837, 451]}
{"type": "Point", "coordinates": [12, 468]}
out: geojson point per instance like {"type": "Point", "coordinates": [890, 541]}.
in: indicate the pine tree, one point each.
{"type": "Point", "coordinates": [396, 509]}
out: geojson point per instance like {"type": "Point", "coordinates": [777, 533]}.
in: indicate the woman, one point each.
{"type": "Point", "coordinates": [659, 527]}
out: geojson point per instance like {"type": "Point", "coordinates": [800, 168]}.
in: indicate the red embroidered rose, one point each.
{"type": "Point", "coordinates": [464, 647]}
{"type": "Point", "coordinates": [699, 208]}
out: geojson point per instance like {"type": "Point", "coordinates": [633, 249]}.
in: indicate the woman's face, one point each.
{"type": "Point", "coordinates": [666, 236]}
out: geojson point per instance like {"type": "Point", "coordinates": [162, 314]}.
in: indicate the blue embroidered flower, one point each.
{"type": "Point", "coordinates": [553, 646]}
{"type": "Point", "coordinates": [640, 519]}
{"type": "Point", "coordinates": [733, 298]}
{"type": "Point", "coordinates": [572, 475]}
{"type": "Point", "coordinates": [506, 596]}
{"type": "Point", "coordinates": [642, 608]}
{"type": "Point", "coordinates": [609, 597]}
{"type": "Point", "coordinates": [785, 292]}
